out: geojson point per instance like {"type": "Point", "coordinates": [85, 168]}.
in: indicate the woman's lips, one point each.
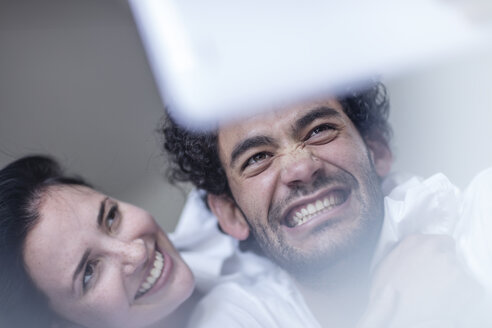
{"type": "Point", "coordinates": [157, 275]}
{"type": "Point", "coordinates": [154, 274]}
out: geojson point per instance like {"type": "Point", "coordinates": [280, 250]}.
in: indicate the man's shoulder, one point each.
{"type": "Point", "coordinates": [227, 304]}
{"type": "Point", "coordinates": [473, 232]}
{"type": "Point", "coordinates": [256, 294]}
{"type": "Point", "coordinates": [418, 206]}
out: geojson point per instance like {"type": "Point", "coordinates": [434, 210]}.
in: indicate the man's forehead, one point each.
{"type": "Point", "coordinates": [278, 114]}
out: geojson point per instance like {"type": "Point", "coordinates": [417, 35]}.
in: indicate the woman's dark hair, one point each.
{"type": "Point", "coordinates": [194, 155]}
{"type": "Point", "coordinates": [22, 184]}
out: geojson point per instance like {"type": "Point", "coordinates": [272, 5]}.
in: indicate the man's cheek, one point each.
{"type": "Point", "coordinates": [347, 161]}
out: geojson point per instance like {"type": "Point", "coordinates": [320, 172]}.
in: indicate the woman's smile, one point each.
{"type": "Point", "coordinates": [154, 274]}
{"type": "Point", "coordinates": [127, 271]}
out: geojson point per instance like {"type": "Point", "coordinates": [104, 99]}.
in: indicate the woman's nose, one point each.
{"type": "Point", "coordinates": [132, 254]}
{"type": "Point", "coordinates": [299, 167]}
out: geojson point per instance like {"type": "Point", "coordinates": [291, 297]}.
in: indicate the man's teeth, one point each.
{"type": "Point", "coordinates": [154, 274]}
{"type": "Point", "coordinates": [307, 212]}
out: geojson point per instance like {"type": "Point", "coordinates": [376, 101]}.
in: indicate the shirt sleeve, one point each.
{"type": "Point", "coordinates": [474, 231]}
{"type": "Point", "coordinates": [228, 305]}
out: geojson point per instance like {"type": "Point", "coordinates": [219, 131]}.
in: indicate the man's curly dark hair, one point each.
{"type": "Point", "coordinates": [194, 155]}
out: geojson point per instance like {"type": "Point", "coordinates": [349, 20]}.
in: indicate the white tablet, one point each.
{"type": "Point", "coordinates": [215, 60]}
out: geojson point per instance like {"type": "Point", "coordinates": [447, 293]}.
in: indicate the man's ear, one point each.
{"type": "Point", "coordinates": [230, 217]}
{"type": "Point", "coordinates": [381, 156]}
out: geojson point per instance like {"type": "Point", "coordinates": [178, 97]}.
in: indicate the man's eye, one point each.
{"type": "Point", "coordinates": [256, 158]}
{"type": "Point", "coordinates": [88, 274]}
{"type": "Point", "coordinates": [320, 130]}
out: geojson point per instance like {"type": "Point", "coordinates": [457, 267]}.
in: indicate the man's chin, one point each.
{"type": "Point", "coordinates": [325, 249]}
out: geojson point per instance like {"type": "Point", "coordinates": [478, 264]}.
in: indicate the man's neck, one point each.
{"type": "Point", "coordinates": [338, 296]}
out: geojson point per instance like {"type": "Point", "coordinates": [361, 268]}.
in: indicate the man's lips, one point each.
{"type": "Point", "coordinates": [303, 211]}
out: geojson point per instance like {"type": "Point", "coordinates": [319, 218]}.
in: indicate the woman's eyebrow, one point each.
{"type": "Point", "coordinates": [102, 209]}
{"type": "Point", "coordinates": [83, 260]}
{"type": "Point", "coordinates": [80, 266]}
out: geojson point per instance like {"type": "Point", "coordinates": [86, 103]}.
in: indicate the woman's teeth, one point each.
{"type": "Point", "coordinates": [155, 273]}
{"type": "Point", "coordinates": [310, 210]}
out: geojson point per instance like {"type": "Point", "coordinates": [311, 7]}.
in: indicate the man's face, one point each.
{"type": "Point", "coordinates": [304, 184]}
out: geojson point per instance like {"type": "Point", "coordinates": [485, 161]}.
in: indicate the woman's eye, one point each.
{"type": "Point", "coordinates": [111, 217]}
{"type": "Point", "coordinates": [256, 159]}
{"type": "Point", "coordinates": [88, 274]}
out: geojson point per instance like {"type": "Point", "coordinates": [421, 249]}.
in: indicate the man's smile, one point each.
{"type": "Point", "coordinates": [311, 208]}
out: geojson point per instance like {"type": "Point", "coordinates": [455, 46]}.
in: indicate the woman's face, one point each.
{"type": "Point", "coordinates": [104, 263]}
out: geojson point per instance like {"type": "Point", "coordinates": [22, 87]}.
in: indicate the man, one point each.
{"type": "Point", "coordinates": [303, 187]}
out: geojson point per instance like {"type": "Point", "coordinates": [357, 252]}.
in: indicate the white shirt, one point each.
{"type": "Point", "coordinates": [242, 289]}
{"type": "Point", "coordinates": [246, 290]}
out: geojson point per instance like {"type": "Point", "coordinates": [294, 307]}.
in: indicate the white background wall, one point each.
{"type": "Point", "coordinates": [74, 82]}
{"type": "Point", "coordinates": [442, 118]}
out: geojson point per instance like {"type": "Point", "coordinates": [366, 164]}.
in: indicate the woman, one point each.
{"type": "Point", "coordinates": [73, 257]}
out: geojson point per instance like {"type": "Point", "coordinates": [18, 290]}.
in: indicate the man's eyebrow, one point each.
{"type": "Point", "coordinates": [313, 114]}
{"type": "Point", "coordinates": [102, 209]}
{"type": "Point", "coordinates": [81, 265]}
{"type": "Point", "coordinates": [247, 144]}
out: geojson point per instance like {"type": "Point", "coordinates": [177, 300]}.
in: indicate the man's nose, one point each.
{"type": "Point", "coordinates": [132, 254]}
{"type": "Point", "coordinates": [299, 166]}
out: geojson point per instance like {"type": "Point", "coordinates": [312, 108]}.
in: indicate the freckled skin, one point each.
{"type": "Point", "coordinates": [67, 227]}
{"type": "Point", "coordinates": [303, 164]}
